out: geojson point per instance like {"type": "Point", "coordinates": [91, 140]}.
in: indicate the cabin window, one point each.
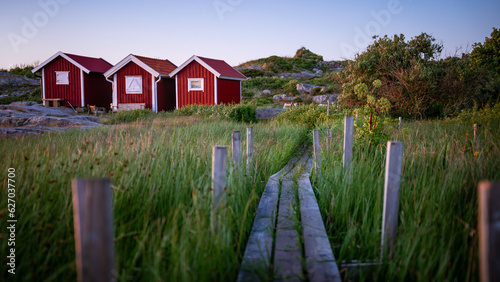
{"type": "Point", "coordinates": [133, 84]}
{"type": "Point", "coordinates": [195, 84]}
{"type": "Point", "coordinates": [62, 77]}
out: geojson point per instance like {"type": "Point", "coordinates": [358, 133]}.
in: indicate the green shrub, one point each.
{"type": "Point", "coordinates": [316, 91]}
{"type": "Point", "coordinates": [260, 101]}
{"type": "Point", "coordinates": [309, 115]}
{"type": "Point", "coordinates": [247, 93]}
{"type": "Point", "coordinates": [243, 113]}
{"type": "Point", "coordinates": [265, 83]}
{"type": "Point", "coordinates": [254, 73]}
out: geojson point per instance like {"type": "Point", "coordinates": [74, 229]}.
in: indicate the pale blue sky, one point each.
{"type": "Point", "coordinates": [233, 30]}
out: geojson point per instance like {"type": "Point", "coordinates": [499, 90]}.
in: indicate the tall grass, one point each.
{"type": "Point", "coordinates": [437, 233]}
{"type": "Point", "coordinates": [162, 204]}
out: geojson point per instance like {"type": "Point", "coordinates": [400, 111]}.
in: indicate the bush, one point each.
{"type": "Point", "coordinates": [260, 101]}
{"type": "Point", "coordinates": [316, 91]}
{"type": "Point", "coordinates": [243, 113]}
{"type": "Point", "coordinates": [254, 73]}
{"type": "Point", "coordinates": [265, 83]}
{"type": "Point", "coordinates": [310, 115]}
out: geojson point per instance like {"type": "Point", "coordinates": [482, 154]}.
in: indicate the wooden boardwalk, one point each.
{"type": "Point", "coordinates": [275, 249]}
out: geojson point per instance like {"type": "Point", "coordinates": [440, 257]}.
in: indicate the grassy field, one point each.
{"type": "Point", "coordinates": [161, 175]}
{"type": "Point", "coordinates": [437, 233]}
{"type": "Point", "coordinates": [160, 168]}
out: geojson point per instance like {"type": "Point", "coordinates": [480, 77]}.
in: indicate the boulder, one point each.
{"type": "Point", "coordinates": [323, 99]}
{"type": "Point", "coordinates": [283, 97]}
{"type": "Point", "coordinates": [266, 92]}
{"type": "Point", "coordinates": [302, 87]}
{"type": "Point", "coordinates": [31, 118]}
{"type": "Point", "coordinates": [307, 74]}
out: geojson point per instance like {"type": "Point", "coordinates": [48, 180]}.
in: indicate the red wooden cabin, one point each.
{"type": "Point", "coordinates": [75, 80]}
{"type": "Point", "coordinates": [207, 81]}
{"type": "Point", "coordinates": [142, 83]}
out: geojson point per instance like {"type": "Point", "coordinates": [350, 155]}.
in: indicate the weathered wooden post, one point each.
{"type": "Point", "coordinates": [328, 134]}
{"type": "Point", "coordinates": [489, 231]}
{"type": "Point", "coordinates": [328, 109]}
{"type": "Point", "coordinates": [393, 166]}
{"type": "Point", "coordinates": [236, 148]}
{"type": "Point", "coordinates": [317, 153]}
{"type": "Point", "coordinates": [93, 222]}
{"type": "Point", "coordinates": [348, 133]}
{"type": "Point", "coordinates": [400, 123]}
{"type": "Point", "coordinates": [219, 158]}
{"type": "Point", "coordinates": [249, 148]}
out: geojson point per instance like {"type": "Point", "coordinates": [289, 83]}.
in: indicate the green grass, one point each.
{"type": "Point", "coordinates": [160, 170]}
{"type": "Point", "coordinates": [437, 232]}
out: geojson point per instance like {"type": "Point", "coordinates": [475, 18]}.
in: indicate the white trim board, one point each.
{"type": "Point", "coordinates": [128, 59]}
{"type": "Point", "coordinates": [82, 88]}
{"type": "Point", "coordinates": [65, 57]}
{"type": "Point", "coordinates": [205, 65]}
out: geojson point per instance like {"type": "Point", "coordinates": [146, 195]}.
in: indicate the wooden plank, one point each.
{"type": "Point", "coordinates": [320, 261]}
{"type": "Point", "coordinates": [249, 148]}
{"type": "Point", "coordinates": [93, 223]}
{"type": "Point", "coordinates": [393, 166]}
{"type": "Point", "coordinates": [219, 158]}
{"type": "Point", "coordinates": [287, 253]}
{"type": "Point", "coordinates": [317, 151]}
{"type": "Point", "coordinates": [258, 252]}
{"type": "Point", "coordinates": [489, 231]}
{"type": "Point", "coordinates": [348, 134]}
{"type": "Point", "coordinates": [236, 148]}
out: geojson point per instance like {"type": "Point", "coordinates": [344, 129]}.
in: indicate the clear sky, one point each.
{"type": "Point", "coordinates": [233, 30]}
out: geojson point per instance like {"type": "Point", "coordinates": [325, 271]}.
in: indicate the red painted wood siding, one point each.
{"type": "Point", "coordinates": [146, 96]}
{"type": "Point", "coordinates": [228, 91]}
{"type": "Point", "coordinates": [195, 70]}
{"type": "Point", "coordinates": [70, 92]}
{"type": "Point", "coordinates": [97, 90]}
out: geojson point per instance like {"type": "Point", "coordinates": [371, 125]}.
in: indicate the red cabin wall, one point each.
{"type": "Point", "coordinates": [165, 92]}
{"type": "Point", "coordinates": [228, 91]}
{"type": "Point", "coordinates": [146, 96]}
{"type": "Point", "coordinates": [70, 92]}
{"type": "Point", "coordinates": [98, 91]}
{"type": "Point", "coordinates": [205, 97]}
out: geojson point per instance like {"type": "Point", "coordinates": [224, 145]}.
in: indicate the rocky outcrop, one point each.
{"type": "Point", "coordinates": [283, 98]}
{"type": "Point", "coordinates": [307, 88]}
{"type": "Point", "coordinates": [16, 85]}
{"type": "Point", "coordinates": [30, 117]}
{"type": "Point", "coordinates": [323, 99]}
{"type": "Point", "coordinates": [16, 80]}
{"type": "Point", "coordinates": [267, 113]}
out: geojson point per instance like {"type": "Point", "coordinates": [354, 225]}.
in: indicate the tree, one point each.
{"type": "Point", "coordinates": [487, 55]}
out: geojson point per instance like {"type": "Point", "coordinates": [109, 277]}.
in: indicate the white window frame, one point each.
{"type": "Point", "coordinates": [127, 91]}
{"type": "Point", "coordinates": [58, 82]}
{"type": "Point", "coordinates": [196, 79]}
